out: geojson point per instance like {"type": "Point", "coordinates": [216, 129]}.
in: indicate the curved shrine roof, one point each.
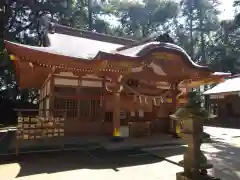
{"type": "Point", "coordinates": [108, 56]}
{"type": "Point", "coordinates": [79, 48]}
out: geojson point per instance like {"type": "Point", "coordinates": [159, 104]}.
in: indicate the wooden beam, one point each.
{"type": "Point", "coordinates": [116, 114]}
{"type": "Point", "coordinates": [78, 91]}
{"type": "Point", "coordinates": [103, 99]}
{"type": "Point", "coordinates": [174, 90]}
{"type": "Point", "coordinates": [51, 95]}
{"type": "Point", "coordinates": [116, 106]}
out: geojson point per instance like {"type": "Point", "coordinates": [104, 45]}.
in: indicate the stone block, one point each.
{"type": "Point", "coordinates": [193, 125]}
{"type": "Point", "coordinates": [181, 176]}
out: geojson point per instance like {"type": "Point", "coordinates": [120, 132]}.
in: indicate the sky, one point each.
{"type": "Point", "coordinates": [226, 9]}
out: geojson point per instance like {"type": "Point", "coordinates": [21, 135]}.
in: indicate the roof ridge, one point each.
{"type": "Point", "coordinates": [165, 38]}
{"type": "Point", "coordinates": [235, 75]}
{"type": "Point", "coordinates": [137, 43]}
{"type": "Point", "coordinates": [54, 27]}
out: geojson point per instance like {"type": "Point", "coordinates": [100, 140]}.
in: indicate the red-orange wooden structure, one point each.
{"type": "Point", "coordinates": [102, 83]}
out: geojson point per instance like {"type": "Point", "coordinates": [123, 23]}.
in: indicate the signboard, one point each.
{"type": "Point", "coordinates": [36, 128]}
{"type": "Point", "coordinates": [216, 96]}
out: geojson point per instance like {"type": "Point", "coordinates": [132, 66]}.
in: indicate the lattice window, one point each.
{"type": "Point", "coordinates": [89, 109]}
{"type": "Point", "coordinates": [60, 107]}
{"type": "Point", "coordinates": [71, 106]}
{"type": "Point", "coordinates": [66, 107]}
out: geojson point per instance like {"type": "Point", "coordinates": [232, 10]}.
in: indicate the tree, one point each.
{"type": "Point", "coordinates": [193, 24]}
{"type": "Point", "coordinates": [23, 21]}
{"type": "Point", "coordinates": [224, 52]}
{"type": "Point", "coordinates": [201, 21]}
{"type": "Point", "coordinates": [141, 18]}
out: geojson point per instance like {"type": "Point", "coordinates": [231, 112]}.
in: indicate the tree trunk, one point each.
{"type": "Point", "coordinates": [90, 21]}
{"type": "Point", "coordinates": [191, 29]}
{"type": "Point", "coordinates": [203, 54]}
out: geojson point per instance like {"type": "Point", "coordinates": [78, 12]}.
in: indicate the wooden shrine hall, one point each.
{"type": "Point", "coordinates": [104, 85]}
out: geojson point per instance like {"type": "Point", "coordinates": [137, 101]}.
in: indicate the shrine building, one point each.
{"type": "Point", "coordinates": [104, 85]}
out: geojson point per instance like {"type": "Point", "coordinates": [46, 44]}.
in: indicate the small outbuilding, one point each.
{"type": "Point", "coordinates": [223, 100]}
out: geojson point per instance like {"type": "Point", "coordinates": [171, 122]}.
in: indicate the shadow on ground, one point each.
{"type": "Point", "coordinates": [5, 140]}
{"type": "Point", "coordinates": [91, 156]}
{"type": "Point", "coordinates": [99, 158]}
{"type": "Point", "coordinates": [170, 154]}
{"type": "Point", "coordinates": [226, 160]}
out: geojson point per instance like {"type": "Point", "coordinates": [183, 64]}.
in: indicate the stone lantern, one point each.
{"type": "Point", "coordinates": [191, 117]}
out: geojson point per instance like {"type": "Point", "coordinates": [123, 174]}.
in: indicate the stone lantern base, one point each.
{"type": "Point", "coordinates": [182, 176]}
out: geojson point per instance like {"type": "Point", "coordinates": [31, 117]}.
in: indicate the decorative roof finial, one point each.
{"type": "Point", "coordinates": [166, 38]}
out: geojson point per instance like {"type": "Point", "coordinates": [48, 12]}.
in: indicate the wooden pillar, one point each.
{"type": "Point", "coordinates": [79, 100]}
{"type": "Point", "coordinates": [174, 90]}
{"type": "Point", "coordinates": [116, 114]}
{"type": "Point", "coordinates": [51, 95]}
{"type": "Point", "coordinates": [103, 101]}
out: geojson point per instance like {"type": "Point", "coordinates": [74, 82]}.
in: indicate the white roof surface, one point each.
{"type": "Point", "coordinates": [79, 47]}
{"type": "Point", "coordinates": [72, 46]}
{"type": "Point", "coordinates": [230, 85]}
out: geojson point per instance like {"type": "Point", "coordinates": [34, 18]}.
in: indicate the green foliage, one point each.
{"type": "Point", "coordinates": [23, 21]}
{"type": "Point", "coordinates": [141, 18]}
{"type": "Point", "coordinates": [224, 51]}
{"type": "Point", "coordinates": [201, 20]}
